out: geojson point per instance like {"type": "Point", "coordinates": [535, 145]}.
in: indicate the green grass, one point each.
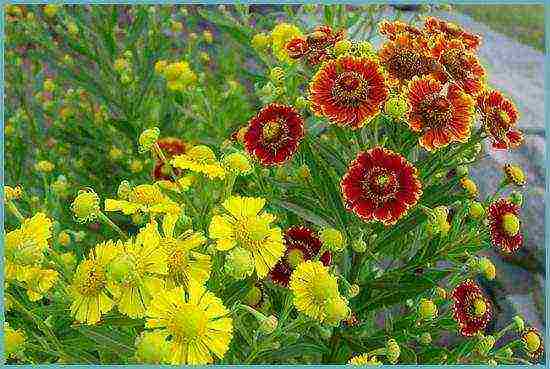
{"type": "Point", "coordinates": [524, 23]}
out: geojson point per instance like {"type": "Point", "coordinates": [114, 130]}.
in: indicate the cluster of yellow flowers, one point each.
{"type": "Point", "coordinates": [179, 75]}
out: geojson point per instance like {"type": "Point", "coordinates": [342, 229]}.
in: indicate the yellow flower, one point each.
{"type": "Point", "coordinates": [85, 206]}
{"type": "Point", "coordinates": [144, 198]}
{"type": "Point", "coordinates": [280, 36]}
{"type": "Point", "coordinates": [179, 76]}
{"type": "Point", "coordinates": [44, 166]}
{"type": "Point", "coordinates": [152, 348]}
{"type": "Point", "coordinates": [316, 294]}
{"type": "Point", "coordinates": [135, 274]}
{"type": "Point", "coordinates": [237, 163]}
{"type": "Point", "coordinates": [469, 186]}
{"type": "Point", "coordinates": [208, 37]}
{"type": "Point", "coordinates": [199, 324]}
{"type": "Point", "coordinates": [38, 282]}
{"type": "Point", "coordinates": [121, 65]}
{"type": "Point", "coordinates": [50, 10]}
{"type": "Point", "coordinates": [261, 41]}
{"type": "Point", "coordinates": [200, 159]}
{"type": "Point", "coordinates": [64, 238]}
{"type": "Point", "coordinates": [184, 262]}
{"type": "Point", "coordinates": [136, 166]}
{"type": "Point", "coordinates": [14, 341]}
{"type": "Point", "coordinates": [115, 153]}
{"type": "Point", "coordinates": [250, 228]}
{"type": "Point", "coordinates": [12, 193]}
{"type": "Point", "coordinates": [514, 174]}
{"type": "Point", "coordinates": [364, 359]}
{"type": "Point", "coordinates": [25, 246]}
{"type": "Point", "coordinates": [184, 182]}
{"type": "Point", "coordinates": [160, 65]}
{"type": "Point", "coordinates": [89, 287]}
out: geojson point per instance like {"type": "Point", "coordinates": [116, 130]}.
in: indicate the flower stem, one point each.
{"type": "Point", "coordinates": [113, 226]}
{"type": "Point", "coordinates": [15, 211]}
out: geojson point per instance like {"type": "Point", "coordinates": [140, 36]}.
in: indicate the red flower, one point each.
{"type": "Point", "coordinates": [471, 309]}
{"type": "Point", "coordinates": [274, 134]}
{"type": "Point", "coordinates": [441, 115]}
{"type": "Point", "coordinates": [452, 31]}
{"type": "Point", "coordinates": [392, 29]}
{"type": "Point", "coordinates": [348, 91]}
{"type": "Point", "coordinates": [297, 48]}
{"type": "Point", "coordinates": [500, 117]}
{"type": "Point", "coordinates": [301, 244]}
{"type": "Point", "coordinates": [406, 57]}
{"type": "Point", "coordinates": [319, 40]}
{"type": "Point", "coordinates": [460, 65]}
{"type": "Point", "coordinates": [170, 146]}
{"type": "Point", "coordinates": [380, 185]}
{"type": "Point", "coordinates": [503, 216]}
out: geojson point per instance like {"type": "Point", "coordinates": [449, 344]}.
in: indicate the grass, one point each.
{"type": "Point", "coordinates": [524, 23]}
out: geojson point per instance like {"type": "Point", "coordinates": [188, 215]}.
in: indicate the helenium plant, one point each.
{"type": "Point", "coordinates": [304, 199]}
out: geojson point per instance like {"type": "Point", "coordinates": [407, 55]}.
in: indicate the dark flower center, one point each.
{"type": "Point", "coordinates": [453, 60]}
{"type": "Point", "coordinates": [436, 111]}
{"type": "Point", "coordinates": [350, 88]}
{"type": "Point", "coordinates": [271, 130]}
{"type": "Point", "coordinates": [406, 64]}
{"type": "Point", "coordinates": [380, 184]}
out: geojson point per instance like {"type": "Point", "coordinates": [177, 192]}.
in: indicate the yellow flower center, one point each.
{"type": "Point", "coordinates": [322, 288]}
{"type": "Point", "coordinates": [178, 261]}
{"type": "Point", "coordinates": [295, 257]}
{"type": "Point", "coordinates": [93, 279]}
{"type": "Point", "coordinates": [479, 307]}
{"type": "Point", "coordinates": [188, 323]}
{"type": "Point", "coordinates": [271, 130]}
{"type": "Point", "coordinates": [510, 223]}
{"type": "Point", "coordinates": [250, 232]}
{"type": "Point", "coordinates": [532, 341]}
{"type": "Point", "coordinates": [382, 179]}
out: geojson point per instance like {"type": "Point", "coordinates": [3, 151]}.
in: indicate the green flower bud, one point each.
{"type": "Point", "coordinates": [462, 171]}
{"type": "Point", "coordinates": [85, 206]}
{"type": "Point", "coordinates": [516, 198]}
{"type": "Point", "coordinates": [425, 338]}
{"type": "Point", "coordinates": [124, 190]}
{"type": "Point", "coordinates": [239, 263]}
{"type": "Point", "coordinates": [333, 239]}
{"type": "Point", "coordinates": [396, 107]}
{"type": "Point", "coordinates": [476, 210]}
{"type": "Point", "coordinates": [277, 75]}
{"type": "Point", "coordinates": [519, 323]}
{"type": "Point", "coordinates": [427, 310]}
{"type": "Point", "coordinates": [336, 310]}
{"type": "Point", "coordinates": [254, 296]}
{"type": "Point", "coordinates": [148, 138]}
{"type": "Point", "coordinates": [268, 325]}
{"type": "Point", "coordinates": [487, 268]}
{"type": "Point", "coordinates": [392, 351]}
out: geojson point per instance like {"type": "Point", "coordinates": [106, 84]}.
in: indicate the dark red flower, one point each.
{"type": "Point", "coordinates": [348, 91]}
{"type": "Point", "coordinates": [471, 309]}
{"type": "Point", "coordinates": [441, 115]}
{"type": "Point", "coordinates": [301, 244]}
{"type": "Point", "coordinates": [405, 57]}
{"type": "Point", "coordinates": [274, 134]}
{"type": "Point", "coordinates": [459, 65]}
{"type": "Point", "coordinates": [170, 146]}
{"type": "Point", "coordinates": [504, 223]}
{"type": "Point", "coordinates": [452, 31]}
{"type": "Point", "coordinates": [380, 185]}
{"type": "Point", "coordinates": [297, 48]}
{"type": "Point", "coordinates": [500, 117]}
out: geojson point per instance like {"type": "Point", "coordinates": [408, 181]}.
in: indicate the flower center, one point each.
{"type": "Point", "coordinates": [250, 232]}
{"type": "Point", "coordinates": [188, 323]}
{"type": "Point", "coordinates": [380, 184]}
{"type": "Point", "coordinates": [350, 88]}
{"type": "Point", "coordinates": [504, 117]}
{"type": "Point", "coordinates": [436, 111]}
{"type": "Point", "coordinates": [479, 307]}
{"type": "Point", "coordinates": [406, 63]}
{"type": "Point", "coordinates": [271, 130]}
{"type": "Point", "coordinates": [510, 223]}
{"type": "Point", "coordinates": [453, 61]}
{"type": "Point", "coordinates": [295, 257]}
{"type": "Point", "coordinates": [93, 280]}
{"type": "Point", "coordinates": [532, 341]}
{"type": "Point", "coordinates": [322, 289]}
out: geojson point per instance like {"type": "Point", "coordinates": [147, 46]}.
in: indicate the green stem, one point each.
{"type": "Point", "coordinates": [15, 211]}
{"type": "Point", "coordinates": [113, 226]}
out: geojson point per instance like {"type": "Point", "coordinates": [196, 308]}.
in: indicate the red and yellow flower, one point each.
{"type": "Point", "coordinates": [405, 57]}
{"type": "Point", "coordinates": [314, 47]}
{"type": "Point", "coordinates": [391, 30]}
{"type": "Point", "coordinates": [471, 309]}
{"type": "Point", "coordinates": [274, 134]}
{"type": "Point", "coordinates": [458, 65]}
{"type": "Point", "coordinates": [452, 31]}
{"type": "Point", "coordinates": [171, 147]}
{"type": "Point", "coordinates": [380, 185]}
{"type": "Point", "coordinates": [500, 116]}
{"type": "Point", "coordinates": [297, 48]}
{"type": "Point", "coordinates": [439, 113]}
{"type": "Point", "coordinates": [302, 244]}
{"type": "Point", "coordinates": [505, 226]}
{"type": "Point", "coordinates": [349, 91]}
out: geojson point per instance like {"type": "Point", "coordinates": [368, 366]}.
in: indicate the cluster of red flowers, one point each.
{"type": "Point", "coordinates": [434, 68]}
